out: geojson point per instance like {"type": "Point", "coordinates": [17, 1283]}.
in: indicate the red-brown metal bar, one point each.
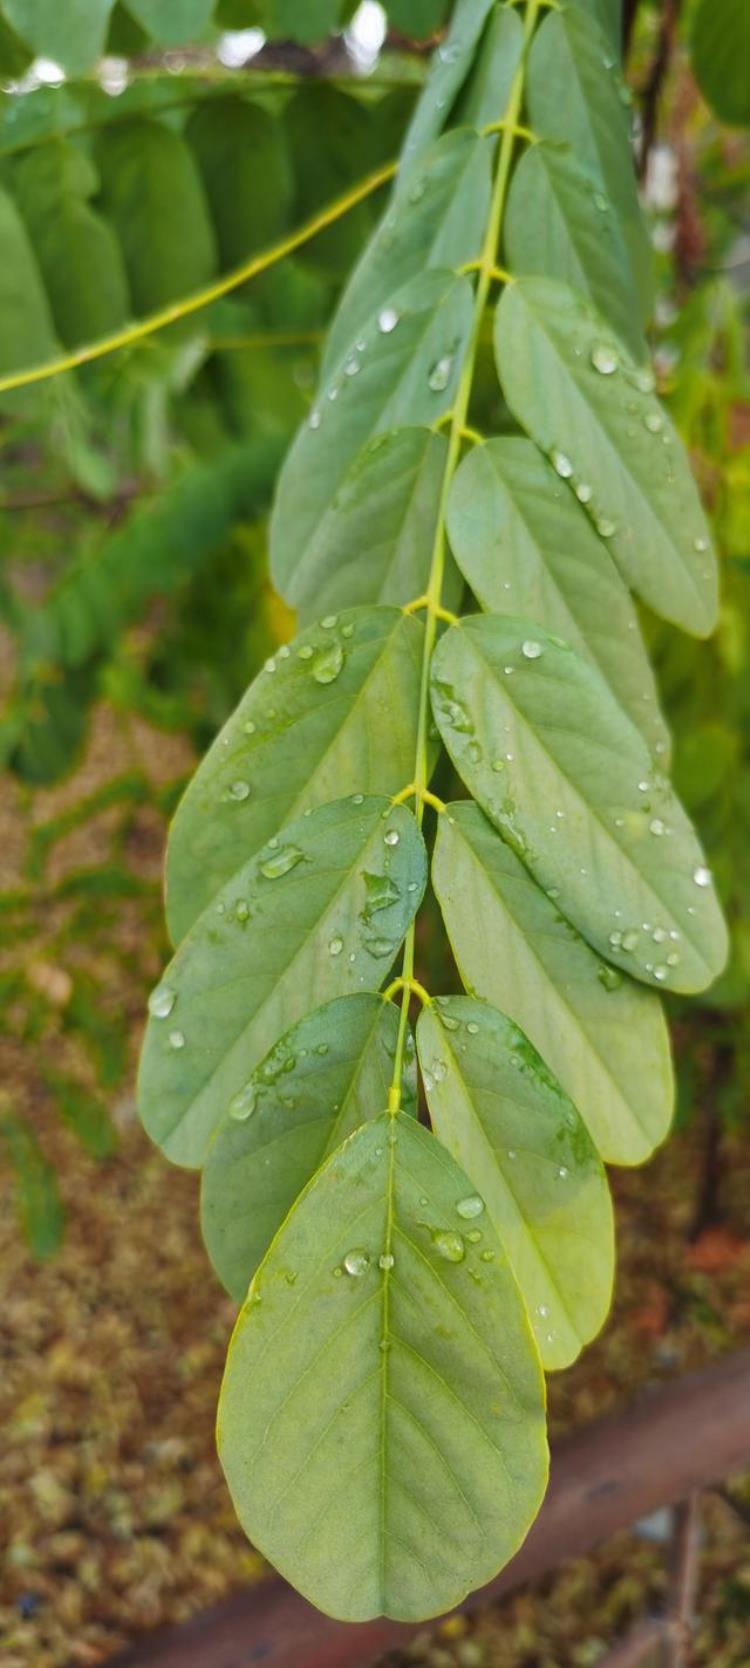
{"type": "Point", "coordinates": [675, 1440]}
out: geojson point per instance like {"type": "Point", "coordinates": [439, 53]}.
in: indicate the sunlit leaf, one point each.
{"type": "Point", "coordinates": [292, 928]}
{"type": "Point", "coordinates": [324, 1078]}
{"type": "Point", "coordinates": [593, 411]}
{"type": "Point", "coordinates": [562, 772]}
{"type": "Point", "coordinates": [603, 1036]}
{"type": "Point", "coordinates": [504, 1117]}
{"type": "Point", "coordinates": [382, 1427]}
{"type": "Point", "coordinates": [309, 729]}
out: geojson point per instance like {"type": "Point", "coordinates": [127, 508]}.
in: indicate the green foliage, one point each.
{"type": "Point", "coordinates": [38, 1204]}
{"type": "Point", "coordinates": [380, 1422]}
{"type": "Point", "coordinates": [720, 52]}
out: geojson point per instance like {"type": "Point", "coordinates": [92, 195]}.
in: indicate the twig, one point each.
{"type": "Point", "coordinates": [684, 1584]}
{"type": "Point", "coordinates": [657, 75]}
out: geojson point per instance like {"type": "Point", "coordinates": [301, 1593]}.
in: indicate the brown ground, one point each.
{"type": "Point", "coordinates": [114, 1514]}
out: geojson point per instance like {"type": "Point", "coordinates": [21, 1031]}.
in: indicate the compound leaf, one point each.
{"type": "Point", "coordinates": [294, 925]}
{"type": "Point", "coordinates": [565, 776]}
{"type": "Point", "coordinates": [309, 729]}
{"type": "Point", "coordinates": [500, 1112]}
{"type": "Point", "coordinates": [152, 193]}
{"type": "Point", "coordinates": [527, 548]}
{"type": "Point", "coordinates": [592, 409]}
{"type": "Point", "coordinates": [381, 1422]}
{"type": "Point", "coordinates": [449, 70]}
{"type": "Point", "coordinates": [330, 1073]}
{"type": "Point", "coordinates": [603, 1036]}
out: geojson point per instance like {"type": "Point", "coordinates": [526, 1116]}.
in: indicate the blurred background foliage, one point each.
{"type": "Point", "coordinates": [146, 150]}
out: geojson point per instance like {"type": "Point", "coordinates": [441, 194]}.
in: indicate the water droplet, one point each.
{"type": "Point", "coordinates": [606, 528]}
{"type": "Point", "coordinates": [240, 790]}
{"type": "Point", "coordinates": [472, 1028]}
{"type": "Point", "coordinates": [243, 1104]}
{"type": "Point", "coordinates": [249, 728]}
{"type": "Point", "coordinates": [543, 1310]}
{"type": "Point", "coordinates": [392, 837]}
{"type": "Point", "coordinates": [281, 862]}
{"type": "Point", "coordinates": [562, 1172]}
{"type": "Point", "coordinates": [386, 1261]}
{"type": "Point", "coordinates": [654, 422]}
{"type": "Point", "coordinates": [608, 977]}
{"type": "Point", "coordinates": [388, 318]}
{"type": "Point", "coordinates": [630, 938]}
{"type": "Point", "coordinates": [335, 946]}
{"type": "Point", "coordinates": [487, 1256]}
{"type": "Point", "coordinates": [644, 381]}
{"type": "Point", "coordinates": [242, 910]}
{"type": "Point", "coordinates": [313, 421]}
{"type": "Point", "coordinates": [448, 1245]}
{"type": "Point", "coordinates": [661, 973]}
{"type": "Point", "coordinates": [583, 492]}
{"type": "Point", "coordinates": [351, 366]}
{"type": "Point", "coordinates": [702, 876]}
{"type": "Point", "coordinates": [498, 764]}
{"type": "Point", "coordinates": [439, 376]}
{"type": "Point", "coordinates": [306, 652]}
{"type": "Point", "coordinates": [615, 939]}
{"type": "Point", "coordinates": [161, 1002]}
{"type": "Point", "coordinates": [176, 1039]}
{"type": "Point", "coordinates": [470, 1207]}
{"type": "Point", "coordinates": [531, 649]}
{"type": "Point", "coordinates": [561, 462]}
{"type": "Point", "coordinates": [512, 1154]}
{"type": "Point", "coordinates": [700, 544]}
{"type": "Point", "coordinates": [439, 1071]}
{"type": "Point", "coordinates": [358, 799]}
{"type": "Point", "coordinates": [604, 359]}
{"type": "Point", "coordinates": [357, 1262]}
{"type": "Point", "coordinates": [328, 663]}
{"type": "Point", "coordinates": [657, 827]}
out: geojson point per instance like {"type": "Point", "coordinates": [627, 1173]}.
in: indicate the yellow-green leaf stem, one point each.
{"type": "Point", "coordinates": [510, 130]}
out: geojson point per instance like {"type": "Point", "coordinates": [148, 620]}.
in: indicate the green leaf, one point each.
{"type": "Point", "coordinates": [436, 219]}
{"type": "Point", "coordinates": [293, 926]}
{"type": "Point", "coordinates": [85, 1114]}
{"type": "Point", "coordinates": [77, 251]}
{"type": "Point", "coordinates": [514, 1131]}
{"type": "Point", "coordinates": [604, 1037]}
{"type": "Point", "coordinates": [576, 95]}
{"type": "Point", "coordinates": [40, 1212]}
{"type": "Point", "coordinates": [72, 35]}
{"type": "Point", "coordinates": [557, 222]}
{"type": "Point", "coordinates": [15, 56]}
{"type": "Point", "coordinates": [485, 94]}
{"type": "Point", "coordinates": [382, 1430]}
{"type": "Point", "coordinates": [608, 15]}
{"type": "Point", "coordinates": [527, 548]}
{"type": "Point", "coordinates": [300, 20]}
{"type": "Point", "coordinates": [27, 334]}
{"type": "Point", "coordinates": [592, 410]}
{"type": "Point", "coordinates": [334, 143]}
{"type": "Point", "coordinates": [152, 193]}
{"type": "Point", "coordinates": [246, 169]}
{"type": "Point", "coordinates": [324, 1078]}
{"type": "Point", "coordinates": [174, 23]}
{"type": "Point", "coordinates": [448, 71]}
{"type": "Point", "coordinates": [417, 18]}
{"type": "Point", "coordinates": [408, 360]}
{"type": "Point", "coordinates": [309, 729]}
{"type": "Point", "coordinates": [375, 542]}
{"type": "Point", "coordinates": [544, 747]}
{"type": "Point", "coordinates": [720, 52]}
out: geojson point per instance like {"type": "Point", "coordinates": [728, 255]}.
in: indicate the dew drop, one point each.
{"type": "Point", "coordinates": [531, 649]}
{"type": "Point", "coordinates": [249, 728]}
{"type": "Point", "coordinates": [584, 492]}
{"type": "Point", "coordinates": [313, 421]}
{"type": "Point", "coordinates": [386, 1261]}
{"type": "Point", "coordinates": [356, 1262]}
{"type": "Point", "coordinates": [448, 1245]}
{"type": "Point", "coordinates": [562, 1172]}
{"type": "Point", "coordinates": [657, 827]}
{"type": "Point", "coordinates": [561, 462]}
{"type": "Point", "coordinates": [702, 876]}
{"type": "Point", "coordinates": [161, 1002]}
{"type": "Point", "coordinates": [243, 1104]}
{"type": "Point", "coordinates": [439, 376]}
{"type": "Point", "coordinates": [654, 422]}
{"type": "Point", "coordinates": [281, 862]}
{"type": "Point", "coordinates": [392, 837]}
{"type": "Point", "coordinates": [472, 1028]}
{"type": "Point", "coordinates": [470, 1207]}
{"type": "Point", "coordinates": [306, 652]}
{"type": "Point", "coordinates": [176, 1039]}
{"type": "Point", "coordinates": [240, 790]}
{"type": "Point", "coordinates": [700, 544]}
{"type": "Point", "coordinates": [335, 946]}
{"type": "Point", "coordinates": [604, 359]}
{"type": "Point", "coordinates": [242, 910]}
{"type": "Point", "coordinates": [388, 318]}
{"type": "Point", "coordinates": [328, 663]}
{"type": "Point", "coordinates": [606, 528]}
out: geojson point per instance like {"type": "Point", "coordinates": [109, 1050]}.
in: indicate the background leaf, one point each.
{"type": "Point", "coordinates": [72, 35]}
{"type": "Point", "coordinates": [720, 52]}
